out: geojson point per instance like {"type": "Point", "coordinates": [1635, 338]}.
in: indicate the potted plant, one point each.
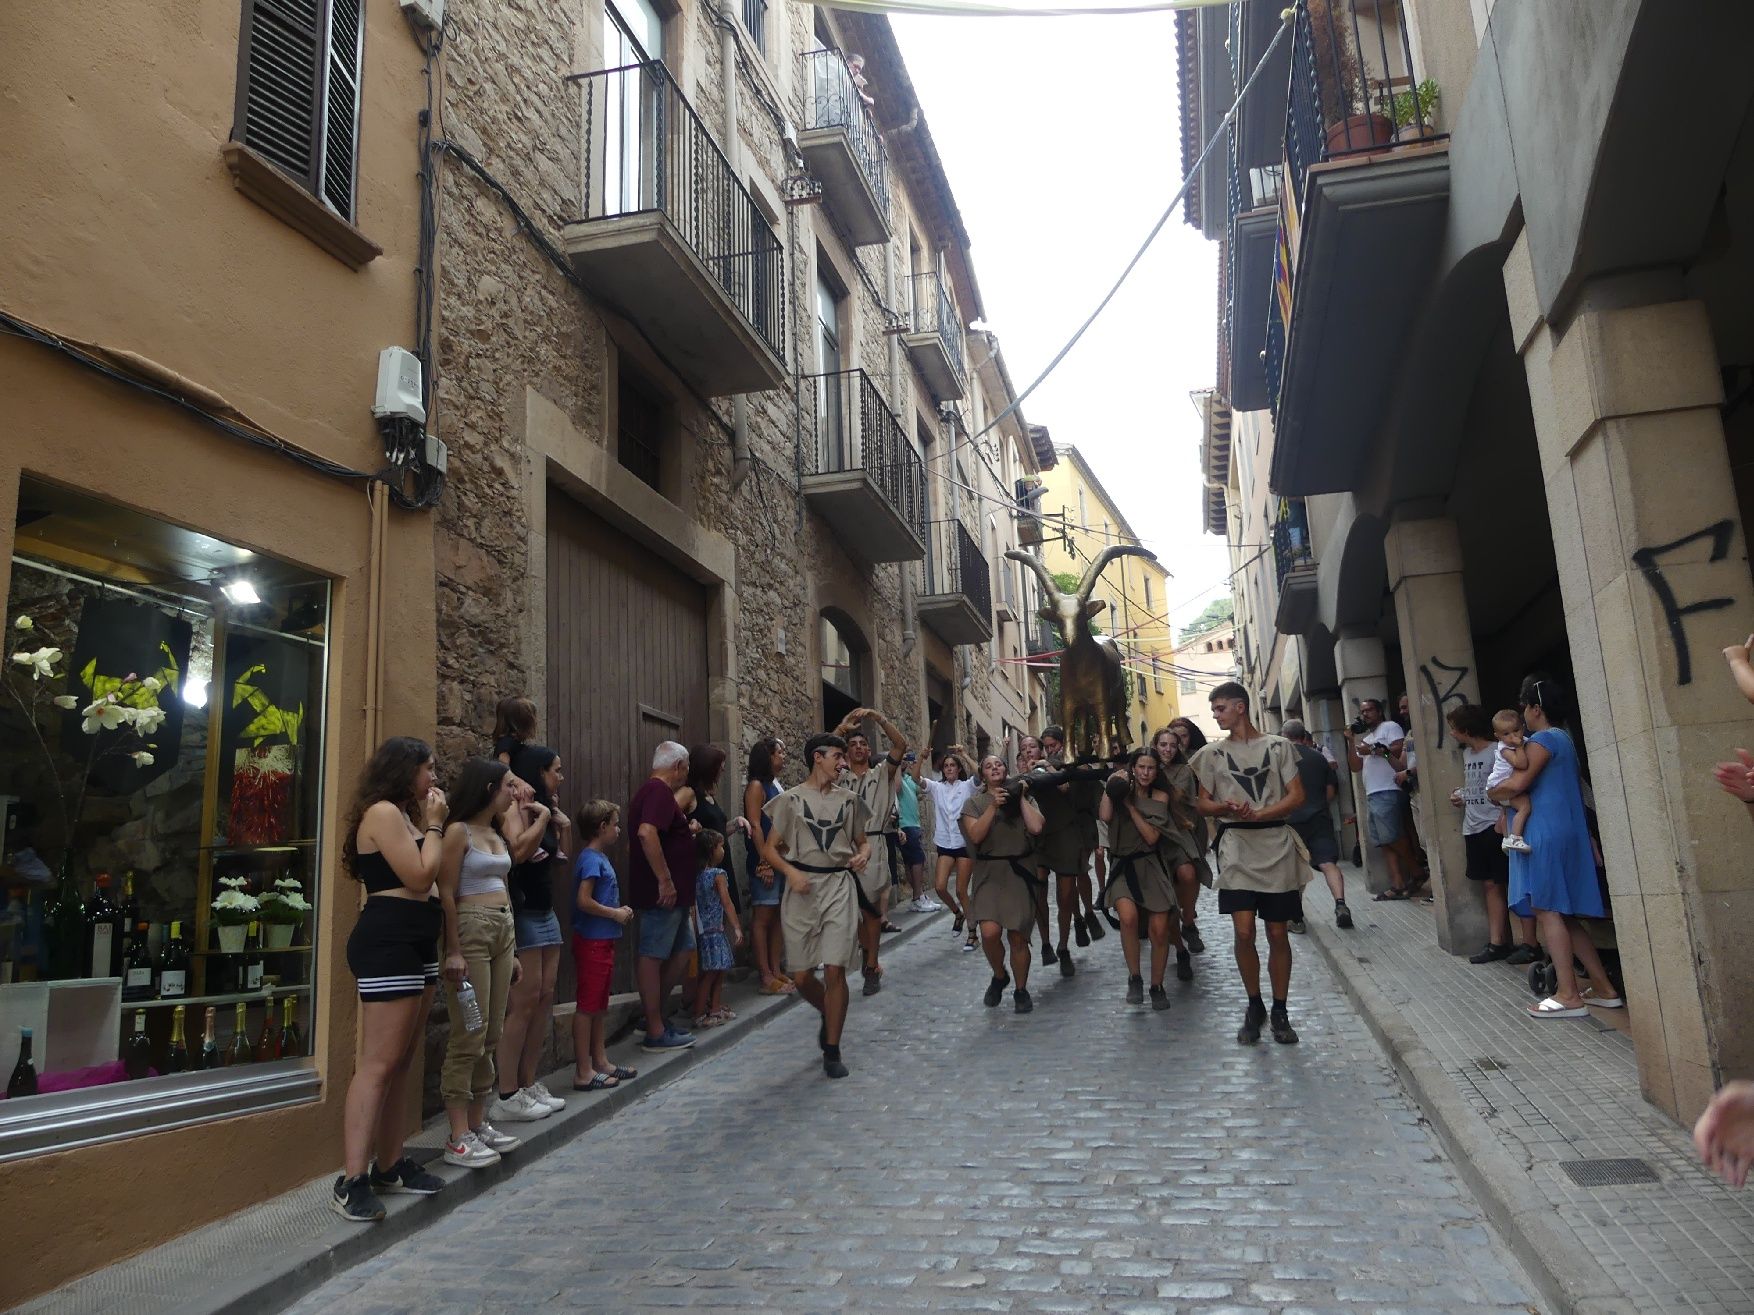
{"type": "Point", "coordinates": [283, 911]}
{"type": "Point", "coordinates": [1413, 111]}
{"type": "Point", "coordinates": [233, 912]}
{"type": "Point", "coordinates": [1347, 118]}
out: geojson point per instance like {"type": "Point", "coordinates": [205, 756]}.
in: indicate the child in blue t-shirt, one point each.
{"type": "Point", "coordinates": [598, 915]}
{"type": "Point", "coordinates": [713, 913]}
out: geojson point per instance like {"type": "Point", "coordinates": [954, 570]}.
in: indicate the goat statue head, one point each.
{"type": "Point", "coordinates": [1071, 612]}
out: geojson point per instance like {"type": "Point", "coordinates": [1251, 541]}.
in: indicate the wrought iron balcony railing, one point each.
{"type": "Point", "coordinates": [934, 312]}
{"type": "Point", "coordinates": [956, 565]}
{"type": "Point", "coordinates": [855, 429]}
{"type": "Point", "coordinates": [834, 102]}
{"type": "Point", "coordinates": [1291, 548]}
{"type": "Point", "coordinates": [645, 150]}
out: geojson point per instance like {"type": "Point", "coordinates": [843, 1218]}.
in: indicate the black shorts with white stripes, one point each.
{"type": "Point", "coordinates": [393, 950]}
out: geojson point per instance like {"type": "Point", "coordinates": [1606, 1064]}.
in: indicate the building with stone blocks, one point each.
{"type": "Point", "coordinates": [1079, 518]}
{"type": "Point", "coordinates": [1487, 335]}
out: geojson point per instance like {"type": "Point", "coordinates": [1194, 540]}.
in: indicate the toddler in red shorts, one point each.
{"type": "Point", "coordinates": [598, 915]}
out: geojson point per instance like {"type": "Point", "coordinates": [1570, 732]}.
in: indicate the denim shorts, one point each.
{"type": "Point", "coordinates": [537, 929]}
{"type": "Point", "coordinates": [764, 893]}
{"type": "Point", "coordinates": [664, 933]}
{"type": "Point", "coordinates": [912, 851]}
{"type": "Point", "coordinates": [1385, 816]}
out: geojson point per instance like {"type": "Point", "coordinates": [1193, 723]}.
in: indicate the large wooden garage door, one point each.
{"type": "Point", "coordinates": [626, 671]}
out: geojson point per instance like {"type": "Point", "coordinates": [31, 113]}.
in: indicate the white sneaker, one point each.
{"type": "Point", "coordinates": [495, 1140]}
{"type": "Point", "coordinates": [923, 905]}
{"type": "Point", "coordinates": [1516, 845]}
{"type": "Point", "coordinates": [543, 1096]}
{"type": "Point", "coordinates": [518, 1108]}
{"type": "Point", "coordinates": [468, 1152]}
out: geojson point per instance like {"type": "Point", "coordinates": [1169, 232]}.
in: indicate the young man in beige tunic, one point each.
{"type": "Point", "coordinates": [819, 845]}
{"type": "Point", "coordinates": [1249, 783]}
{"type": "Point", "coordinates": [875, 783]}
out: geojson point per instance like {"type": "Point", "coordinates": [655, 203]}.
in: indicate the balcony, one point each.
{"type": "Point", "coordinates": [1295, 565]}
{"type": "Point", "coordinates": [670, 240]}
{"type": "Point", "coordinates": [842, 147]}
{"type": "Point", "coordinates": [933, 339]}
{"type": "Point", "coordinates": [957, 601]}
{"type": "Point", "coordinates": [861, 474]}
{"type": "Point", "coordinates": [1363, 206]}
{"type": "Point", "coordinates": [1043, 641]}
{"type": "Point", "coordinates": [1030, 491]}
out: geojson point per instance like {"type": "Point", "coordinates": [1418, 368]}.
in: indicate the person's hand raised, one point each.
{"type": "Point", "coordinates": [1737, 778]}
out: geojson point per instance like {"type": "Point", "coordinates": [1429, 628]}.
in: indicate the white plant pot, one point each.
{"type": "Point", "coordinates": [279, 934]}
{"type": "Point", "coordinates": [231, 939]}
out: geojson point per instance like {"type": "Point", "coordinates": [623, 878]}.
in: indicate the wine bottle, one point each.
{"type": "Point", "coordinates": [291, 1043]}
{"type": "Point", "coordinates": [252, 968]}
{"type": "Point", "coordinates": [266, 1044]}
{"type": "Point", "coordinates": [130, 905]}
{"type": "Point", "coordinates": [103, 932]}
{"type": "Point", "coordinates": [137, 1049]}
{"type": "Point", "coordinates": [178, 1057]}
{"type": "Point", "coordinates": [238, 1052]}
{"type": "Point", "coordinates": [173, 966]}
{"type": "Point", "coordinates": [24, 1073]}
{"type": "Point", "coordinates": [137, 973]}
{"type": "Point", "coordinates": [64, 928]}
{"type": "Point", "coordinates": [209, 1057]}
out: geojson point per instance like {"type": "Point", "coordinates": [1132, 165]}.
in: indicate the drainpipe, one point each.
{"type": "Point", "coordinates": [742, 462]}
{"type": "Point", "coordinates": [909, 635]}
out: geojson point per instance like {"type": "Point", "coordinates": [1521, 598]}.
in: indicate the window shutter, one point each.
{"type": "Point", "coordinates": [341, 112]}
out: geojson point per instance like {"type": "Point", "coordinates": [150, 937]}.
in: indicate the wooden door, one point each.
{"type": "Point", "coordinates": [626, 671]}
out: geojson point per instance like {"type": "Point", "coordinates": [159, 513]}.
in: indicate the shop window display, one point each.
{"type": "Point", "coordinates": [160, 787]}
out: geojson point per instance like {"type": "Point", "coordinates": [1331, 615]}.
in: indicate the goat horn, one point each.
{"type": "Point", "coordinates": [1103, 558]}
{"type": "Point", "coordinates": [1035, 564]}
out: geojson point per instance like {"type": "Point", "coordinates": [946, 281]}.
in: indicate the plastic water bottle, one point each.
{"type": "Point", "coordinates": [473, 1022]}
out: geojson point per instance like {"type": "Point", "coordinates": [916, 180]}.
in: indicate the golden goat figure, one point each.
{"type": "Point", "coordinates": [1093, 680]}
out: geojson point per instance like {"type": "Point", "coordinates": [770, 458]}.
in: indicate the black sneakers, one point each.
{"type": "Point", "coordinates": [1184, 966]}
{"type": "Point", "coordinates": [995, 992]}
{"type": "Point", "coordinates": [1491, 954]}
{"type": "Point", "coordinates": [1079, 931]}
{"type": "Point", "coordinates": [1191, 938]}
{"type": "Point", "coordinates": [1095, 924]}
{"type": "Point", "coordinates": [405, 1177]}
{"type": "Point", "coordinates": [1521, 955]}
{"type": "Point", "coordinates": [1135, 990]}
{"type": "Point", "coordinates": [353, 1199]}
{"type": "Point", "coordinates": [1067, 967]}
{"type": "Point", "coordinates": [1021, 1002]}
{"type": "Point", "coordinates": [1250, 1031]}
{"type": "Point", "coordinates": [873, 983]}
{"type": "Point", "coordinates": [1283, 1032]}
{"type": "Point", "coordinates": [1047, 953]}
{"type": "Point", "coordinates": [1159, 998]}
{"type": "Point", "coordinates": [1342, 915]}
{"type": "Point", "coordinates": [831, 1063]}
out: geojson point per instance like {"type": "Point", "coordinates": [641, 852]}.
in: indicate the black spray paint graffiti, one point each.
{"type": "Point", "coordinates": [1645, 559]}
{"type": "Point", "coordinates": [1453, 694]}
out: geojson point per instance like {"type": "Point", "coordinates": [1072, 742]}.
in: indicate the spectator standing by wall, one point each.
{"type": "Point", "coordinates": [598, 919]}
{"type": "Point", "coordinates": [661, 869]}
{"type": "Point", "coordinates": [766, 757]}
{"type": "Point", "coordinates": [1372, 744]}
{"type": "Point", "coordinates": [1488, 864]}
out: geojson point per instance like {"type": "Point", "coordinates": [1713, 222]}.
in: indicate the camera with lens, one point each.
{"type": "Point", "coordinates": [1015, 787]}
{"type": "Point", "coordinates": [1358, 727]}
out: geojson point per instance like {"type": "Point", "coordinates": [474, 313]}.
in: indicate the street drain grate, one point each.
{"type": "Point", "coordinates": [1608, 1173]}
{"type": "Point", "coordinates": [1490, 1065]}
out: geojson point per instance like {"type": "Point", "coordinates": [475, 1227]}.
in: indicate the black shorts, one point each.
{"type": "Point", "coordinates": [1268, 906]}
{"type": "Point", "coordinates": [961, 851]}
{"type": "Point", "coordinates": [1487, 860]}
{"type": "Point", "coordinates": [1318, 837]}
{"type": "Point", "coordinates": [393, 951]}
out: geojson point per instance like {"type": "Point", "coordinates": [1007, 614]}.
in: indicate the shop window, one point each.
{"type": "Point", "coordinates": [161, 724]}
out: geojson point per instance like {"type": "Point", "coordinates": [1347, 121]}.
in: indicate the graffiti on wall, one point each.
{"type": "Point", "coordinates": [1451, 693]}
{"type": "Point", "coordinates": [1674, 611]}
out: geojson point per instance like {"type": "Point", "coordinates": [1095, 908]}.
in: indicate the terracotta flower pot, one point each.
{"type": "Point", "coordinates": [1360, 132]}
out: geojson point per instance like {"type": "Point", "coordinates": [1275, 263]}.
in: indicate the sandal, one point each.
{"type": "Point", "coordinates": [889, 926]}
{"type": "Point", "coordinates": [1390, 894]}
{"type": "Point", "coordinates": [598, 1082]}
{"type": "Point", "coordinates": [723, 1015]}
{"type": "Point", "coordinates": [621, 1074]}
{"type": "Point", "coordinates": [1552, 1008]}
{"type": "Point", "coordinates": [1613, 1002]}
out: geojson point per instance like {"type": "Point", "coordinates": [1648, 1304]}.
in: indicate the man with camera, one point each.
{"type": "Point", "coordinates": [1373, 746]}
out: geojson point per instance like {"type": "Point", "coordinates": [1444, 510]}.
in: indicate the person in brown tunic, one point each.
{"type": "Point", "coordinates": [1136, 808]}
{"type": "Point", "coordinates": [1028, 758]}
{"type": "Point", "coordinates": [819, 845]}
{"type": "Point", "coordinates": [875, 782]}
{"type": "Point", "coordinates": [1183, 844]}
{"type": "Point", "coordinates": [1062, 850]}
{"type": "Point", "coordinates": [1188, 739]}
{"type": "Point", "coordinates": [1002, 893]}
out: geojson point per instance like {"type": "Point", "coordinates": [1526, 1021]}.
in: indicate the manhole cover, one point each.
{"type": "Point", "coordinates": [1608, 1173]}
{"type": "Point", "coordinates": [1490, 1065]}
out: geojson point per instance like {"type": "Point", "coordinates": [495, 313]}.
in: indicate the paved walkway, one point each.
{"type": "Point", "coordinates": [1557, 1097]}
{"type": "Point", "coordinates": [1088, 1157]}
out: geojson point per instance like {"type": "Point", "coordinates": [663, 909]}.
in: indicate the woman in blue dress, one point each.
{"type": "Point", "coordinates": [1557, 877]}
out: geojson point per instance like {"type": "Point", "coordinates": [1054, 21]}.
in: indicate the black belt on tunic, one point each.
{"type": "Point", "coordinates": [1030, 879]}
{"type": "Point", "coordinates": [1218, 835]}
{"type": "Point", "coordinates": [1121, 868]}
{"type": "Point", "coordinates": [858, 889]}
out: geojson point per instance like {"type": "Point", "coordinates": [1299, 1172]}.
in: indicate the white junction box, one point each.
{"type": "Point", "coordinates": [429, 14]}
{"type": "Point", "coordinates": [398, 394]}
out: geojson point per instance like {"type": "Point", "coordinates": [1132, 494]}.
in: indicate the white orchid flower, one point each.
{"type": "Point", "coordinates": [141, 759]}
{"type": "Point", "coordinates": [66, 701]}
{"type": "Point", "coordinates": [104, 716]}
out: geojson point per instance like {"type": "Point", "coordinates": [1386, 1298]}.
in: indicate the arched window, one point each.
{"type": "Point", "coordinates": [845, 668]}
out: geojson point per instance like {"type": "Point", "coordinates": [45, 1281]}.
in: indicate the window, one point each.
{"type": "Point", "coordinates": [844, 660]}
{"type": "Point", "coordinates": [831, 403]}
{"type": "Point", "coordinates": [1083, 515]}
{"type": "Point", "coordinates": [1186, 684]}
{"type": "Point", "coordinates": [298, 92]}
{"type": "Point", "coordinates": [1147, 595]}
{"type": "Point", "coordinates": [755, 22]}
{"type": "Point", "coordinates": [170, 851]}
{"type": "Point", "coordinates": [639, 431]}
{"type": "Point", "coordinates": [1141, 686]}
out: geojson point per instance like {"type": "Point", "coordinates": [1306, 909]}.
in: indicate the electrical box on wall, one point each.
{"type": "Point", "coordinates": [429, 14]}
{"type": "Point", "coordinates": [399, 388]}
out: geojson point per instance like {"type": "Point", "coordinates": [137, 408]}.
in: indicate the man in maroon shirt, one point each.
{"type": "Point", "coordinates": [661, 869]}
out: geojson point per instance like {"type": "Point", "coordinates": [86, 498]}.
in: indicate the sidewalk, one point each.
{"type": "Point", "coordinates": [265, 1258]}
{"type": "Point", "coordinates": [1526, 1109]}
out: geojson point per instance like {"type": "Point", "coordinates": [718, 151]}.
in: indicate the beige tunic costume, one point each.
{"type": "Point", "coordinates": [876, 790]}
{"type": "Point", "coordinates": [1265, 857]}
{"type": "Point", "coordinates": [1136, 870]}
{"type": "Point", "coordinates": [1057, 847]}
{"type": "Point", "coordinates": [997, 891]}
{"type": "Point", "coordinates": [818, 833]}
{"type": "Point", "coordinates": [1180, 843]}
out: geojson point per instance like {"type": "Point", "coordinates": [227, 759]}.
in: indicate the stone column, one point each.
{"type": "Point", "coordinates": [1437, 648]}
{"type": "Point", "coordinates": [1653, 569]}
{"type": "Point", "coordinates": [1363, 672]}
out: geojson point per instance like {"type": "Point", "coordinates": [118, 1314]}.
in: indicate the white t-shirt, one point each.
{"type": "Point", "coordinates": [1379, 773]}
{"type": "Point", "coordinates": [948, 797]}
{"type": "Point", "coordinates": [1478, 767]}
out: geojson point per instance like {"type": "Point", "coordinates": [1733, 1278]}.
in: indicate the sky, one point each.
{"type": "Point", "coordinates": [1061, 139]}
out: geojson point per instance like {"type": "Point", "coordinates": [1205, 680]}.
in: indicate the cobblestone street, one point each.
{"type": "Point", "coordinates": [1090, 1156]}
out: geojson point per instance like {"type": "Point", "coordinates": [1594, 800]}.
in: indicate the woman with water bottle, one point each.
{"type": "Point", "coordinates": [480, 946]}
